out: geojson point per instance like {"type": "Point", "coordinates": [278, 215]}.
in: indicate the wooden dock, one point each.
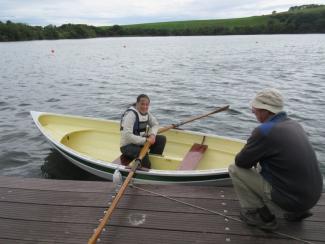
{"type": "Point", "coordinates": [60, 211]}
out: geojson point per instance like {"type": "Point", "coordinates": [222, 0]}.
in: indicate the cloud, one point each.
{"type": "Point", "coordinates": [98, 12]}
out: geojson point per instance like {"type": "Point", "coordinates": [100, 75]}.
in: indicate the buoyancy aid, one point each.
{"type": "Point", "coordinates": [140, 124]}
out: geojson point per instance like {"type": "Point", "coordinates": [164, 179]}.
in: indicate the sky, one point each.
{"type": "Point", "coordinates": [124, 12]}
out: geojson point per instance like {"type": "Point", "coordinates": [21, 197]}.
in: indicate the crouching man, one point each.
{"type": "Point", "coordinates": [277, 169]}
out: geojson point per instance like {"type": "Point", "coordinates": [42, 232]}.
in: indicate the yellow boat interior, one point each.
{"type": "Point", "coordinates": [100, 140]}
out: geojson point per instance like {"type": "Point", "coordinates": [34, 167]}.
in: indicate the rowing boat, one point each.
{"type": "Point", "coordinates": [93, 145]}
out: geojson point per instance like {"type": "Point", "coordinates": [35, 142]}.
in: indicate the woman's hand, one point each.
{"type": "Point", "coordinates": [151, 139]}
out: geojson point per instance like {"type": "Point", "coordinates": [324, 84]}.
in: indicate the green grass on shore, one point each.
{"type": "Point", "coordinates": [249, 21]}
{"type": "Point", "coordinates": [229, 23]}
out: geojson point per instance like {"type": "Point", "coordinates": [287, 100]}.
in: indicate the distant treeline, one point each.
{"type": "Point", "coordinates": [298, 19]}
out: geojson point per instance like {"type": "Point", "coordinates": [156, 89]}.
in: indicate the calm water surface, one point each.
{"type": "Point", "coordinates": [184, 76]}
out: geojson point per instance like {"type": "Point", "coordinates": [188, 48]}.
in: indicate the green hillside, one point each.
{"type": "Point", "coordinates": [309, 19]}
{"type": "Point", "coordinates": [249, 21]}
{"type": "Point", "coordinates": [236, 22]}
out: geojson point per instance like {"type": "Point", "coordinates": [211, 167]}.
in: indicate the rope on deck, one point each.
{"type": "Point", "coordinates": [217, 213]}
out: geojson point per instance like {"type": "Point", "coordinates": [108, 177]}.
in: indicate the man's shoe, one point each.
{"type": "Point", "coordinates": [252, 217]}
{"type": "Point", "coordinates": [297, 216]}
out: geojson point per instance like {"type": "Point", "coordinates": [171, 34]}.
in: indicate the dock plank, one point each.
{"type": "Point", "coordinates": [47, 233]}
{"type": "Point", "coordinates": [53, 211]}
{"type": "Point", "coordinates": [208, 223]}
{"type": "Point", "coordinates": [209, 192]}
{"type": "Point", "coordinates": [144, 202]}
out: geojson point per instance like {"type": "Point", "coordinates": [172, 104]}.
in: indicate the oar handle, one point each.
{"type": "Point", "coordinates": [144, 150]}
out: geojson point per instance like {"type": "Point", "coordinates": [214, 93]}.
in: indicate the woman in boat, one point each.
{"type": "Point", "coordinates": [277, 169]}
{"type": "Point", "coordinates": [138, 126]}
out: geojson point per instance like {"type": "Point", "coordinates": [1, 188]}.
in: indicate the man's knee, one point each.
{"type": "Point", "coordinates": [232, 169]}
{"type": "Point", "coordinates": [239, 173]}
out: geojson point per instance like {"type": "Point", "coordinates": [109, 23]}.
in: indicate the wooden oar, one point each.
{"type": "Point", "coordinates": [135, 165]}
{"type": "Point", "coordinates": [173, 126]}
{"type": "Point", "coordinates": [115, 201]}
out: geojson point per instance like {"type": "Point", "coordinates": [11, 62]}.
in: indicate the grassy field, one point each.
{"type": "Point", "coordinates": [229, 23]}
{"type": "Point", "coordinates": [249, 21]}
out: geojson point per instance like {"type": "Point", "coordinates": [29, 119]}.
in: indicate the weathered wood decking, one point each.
{"type": "Point", "coordinates": [57, 211]}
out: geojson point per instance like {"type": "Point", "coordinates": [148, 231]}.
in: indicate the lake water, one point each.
{"type": "Point", "coordinates": [184, 76]}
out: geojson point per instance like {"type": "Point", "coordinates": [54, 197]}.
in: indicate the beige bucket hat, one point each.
{"type": "Point", "coordinates": [269, 99]}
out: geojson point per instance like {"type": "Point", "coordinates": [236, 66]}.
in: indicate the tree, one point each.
{"type": "Point", "coordinates": [116, 30]}
{"type": "Point", "coordinates": [51, 32]}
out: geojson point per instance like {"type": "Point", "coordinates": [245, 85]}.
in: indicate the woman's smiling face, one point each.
{"type": "Point", "coordinates": [143, 105]}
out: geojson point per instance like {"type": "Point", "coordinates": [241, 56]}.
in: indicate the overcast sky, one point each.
{"type": "Point", "coordinates": [121, 12]}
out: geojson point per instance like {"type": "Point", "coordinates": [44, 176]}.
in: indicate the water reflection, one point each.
{"type": "Point", "coordinates": [58, 167]}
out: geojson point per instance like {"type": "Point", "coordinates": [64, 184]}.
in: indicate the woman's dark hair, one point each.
{"type": "Point", "coordinates": [142, 96]}
{"type": "Point", "coordinates": [139, 98]}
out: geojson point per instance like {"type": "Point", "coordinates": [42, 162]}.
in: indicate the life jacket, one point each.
{"type": "Point", "coordinates": [140, 124]}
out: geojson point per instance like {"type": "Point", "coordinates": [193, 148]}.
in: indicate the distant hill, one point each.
{"type": "Point", "coordinates": [298, 19]}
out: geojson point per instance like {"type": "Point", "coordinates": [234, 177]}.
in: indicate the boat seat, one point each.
{"type": "Point", "coordinates": [193, 157]}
